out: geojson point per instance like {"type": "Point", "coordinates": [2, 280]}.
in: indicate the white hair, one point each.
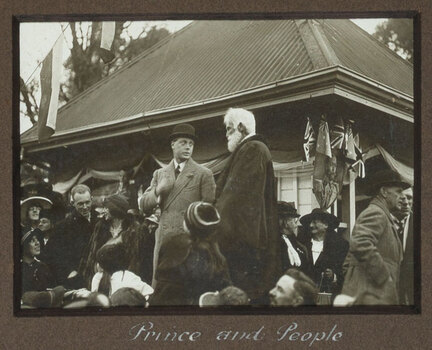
{"type": "Point", "coordinates": [240, 115]}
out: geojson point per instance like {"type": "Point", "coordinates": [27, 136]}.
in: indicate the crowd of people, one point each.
{"type": "Point", "coordinates": [197, 241]}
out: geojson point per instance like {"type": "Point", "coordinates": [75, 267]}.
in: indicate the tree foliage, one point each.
{"type": "Point", "coordinates": [397, 33]}
{"type": "Point", "coordinates": [83, 67]}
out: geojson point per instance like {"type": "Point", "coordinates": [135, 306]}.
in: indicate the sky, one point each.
{"type": "Point", "coordinates": [37, 39]}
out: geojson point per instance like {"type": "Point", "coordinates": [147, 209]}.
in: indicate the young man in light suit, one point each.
{"type": "Point", "coordinates": [175, 186]}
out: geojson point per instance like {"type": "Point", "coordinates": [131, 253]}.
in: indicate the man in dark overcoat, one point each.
{"type": "Point", "coordinates": [375, 255]}
{"type": "Point", "coordinates": [246, 199]}
{"type": "Point", "coordinates": [175, 186]}
{"type": "Point", "coordinates": [406, 234]}
{"type": "Point", "coordinates": [70, 241]}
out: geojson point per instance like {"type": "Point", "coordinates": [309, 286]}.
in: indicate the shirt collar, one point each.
{"type": "Point", "coordinates": [182, 165]}
{"type": "Point", "coordinates": [247, 136]}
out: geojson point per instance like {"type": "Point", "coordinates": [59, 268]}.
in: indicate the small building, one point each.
{"type": "Point", "coordinates": [282, 70]}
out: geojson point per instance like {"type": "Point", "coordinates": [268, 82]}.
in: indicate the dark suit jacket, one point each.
{"type": "Point", "coordinates": [406, 284]}
{"type": "Point", "coordinates": [195, 183]}
{"type": "Point", "coordinates": [64, 251]}
{"type": "Point", "coordinates": [332, 257]}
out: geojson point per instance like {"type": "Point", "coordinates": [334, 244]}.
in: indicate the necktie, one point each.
{"type": "Point", "coordinates": [177, 171]}
{"type": "Point", "coordinates": [401, 229]}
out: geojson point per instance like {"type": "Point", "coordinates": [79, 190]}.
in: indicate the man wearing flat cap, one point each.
{"type": "Point", "coordinates": [294, 253]}
{"type": "Point", "coordinates": [177, 185]}
{"type": "Point", "coordinates": [375, 253]}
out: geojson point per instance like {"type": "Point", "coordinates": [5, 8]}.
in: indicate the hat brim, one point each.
{"type": "Point", "coordinates": [333, 221]}
{"type": "Point", "coordinates": [210, 299]}
{"type": "Point", "coordinates": [285, 213]}
{"type": "Point", "coordinates": [373, 190]}
{"type": "Point", "coordinates": [180, 134]}
{"type": "Point", "coordinates": [26, 203]}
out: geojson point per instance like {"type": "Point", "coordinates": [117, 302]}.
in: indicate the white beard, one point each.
{"type": "Point", "coordinates": [234, 140]}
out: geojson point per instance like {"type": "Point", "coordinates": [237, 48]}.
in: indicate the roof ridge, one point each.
{"type": "Point", "coordinates": [323, 43]}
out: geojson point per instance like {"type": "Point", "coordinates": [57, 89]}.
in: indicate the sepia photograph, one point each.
{"type": "Point", "coordinates": [258, 165]}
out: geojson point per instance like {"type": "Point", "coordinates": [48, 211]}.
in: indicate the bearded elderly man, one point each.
{"type": "Point", "coordinates": [175, 186]}
{"type": "Point", "coordinates": [246, 199]}
{"type": "Point", "coordinates": [375, 254]}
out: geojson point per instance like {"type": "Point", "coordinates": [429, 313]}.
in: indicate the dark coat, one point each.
{"type": "Point", "coordinates": [36, 277]}
{"type": "Point", "coordinates": [248, 233]}
{"type": "Point", "coordinates": [185, 272]}
{"type": "Point", "coordinates": [406, 284]}
{"type": "Point", "coordinates": [133, 240]}
{"type": "Point", "coordinates": [68, 245]}
{"type": "Point", "coordinates": [195, 183]}
{"type": "Point", "coordinates": [375, 255]}
{"type": "Point", "coordinates": [335, 249]}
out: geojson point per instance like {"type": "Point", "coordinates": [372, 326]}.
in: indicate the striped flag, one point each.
{"type": "Point", "coordinates": [308, 139]}
{"type": "Point", "coordinates": [50, 87]}
{"type": "Point", "coordinates": [107, 38]}
{"type": "Point", "coordinates": [350, 152]}
{"type": "Point", "coordinates": [323, 142]}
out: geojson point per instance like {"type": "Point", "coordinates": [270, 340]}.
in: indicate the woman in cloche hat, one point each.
{"type": "Point", "coordinates": [326, 248]}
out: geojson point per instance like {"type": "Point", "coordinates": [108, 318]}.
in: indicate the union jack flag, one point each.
{"type": "Point", "coordinates": [338, 136]}
{"type": "Point", "coordinates": [309, 139]}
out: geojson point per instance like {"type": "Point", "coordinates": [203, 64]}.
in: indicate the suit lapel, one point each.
{"type": "Point", "coordinates": [183, 179]}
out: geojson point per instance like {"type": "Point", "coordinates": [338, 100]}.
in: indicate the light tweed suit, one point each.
{"type": "Point", "coordinates": [195, 183]}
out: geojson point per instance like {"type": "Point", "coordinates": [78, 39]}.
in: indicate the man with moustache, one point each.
{"type": "Point", "coordinates": [405, 231]}
{"type": "Point", "coordinates": [375, 255]}
{"type": "Point", "coordinates": [246, 200]}
{"type": "Point", "coordinates": [175, 186]}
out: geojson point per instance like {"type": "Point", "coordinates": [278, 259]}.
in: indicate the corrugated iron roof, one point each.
{"type": "Point", "coordinates": [209, 59]}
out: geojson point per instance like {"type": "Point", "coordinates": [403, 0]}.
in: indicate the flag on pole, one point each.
{"type": "Point", "coordinates": [50, 87]}
{"type": "Point", "coordinates": [327, 168]}
{"type": "Point", "coordinates": [308, 139]}
{"type": "Point", "coordinates": [350, 154]}
{"type": "Point", "coordinates": [107, 38]}
{"type": "Point", "coordinates": [323, 143]}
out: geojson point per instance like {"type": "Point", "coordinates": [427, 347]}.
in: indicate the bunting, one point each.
{"type": "Point", "coordinates": [50, 88]}
{"type": "Point", "coordinates": [107, 37]}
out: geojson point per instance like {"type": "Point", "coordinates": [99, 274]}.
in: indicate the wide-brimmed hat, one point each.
{"type": "Point", "coordinates": [183, 130]}
{"type": "Point", "coordinates": [27, 235]}
{"type": "Point", "coordinates": [153, 218]}
{"type": "Point", "coordinates": [386, 177]}
{"type": "Point", "coordinates": [117, 203]}
{"type": "Point", "coordinates": [201, 218]}
{"type": "Point", "coordinates": [287, 209]}
{"type": "Point", "coordinates": [331, 220]}
{"type": "Point", "coordinates": [228, 296]}
{"type": "Point", "coordinates": [42, 202]}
